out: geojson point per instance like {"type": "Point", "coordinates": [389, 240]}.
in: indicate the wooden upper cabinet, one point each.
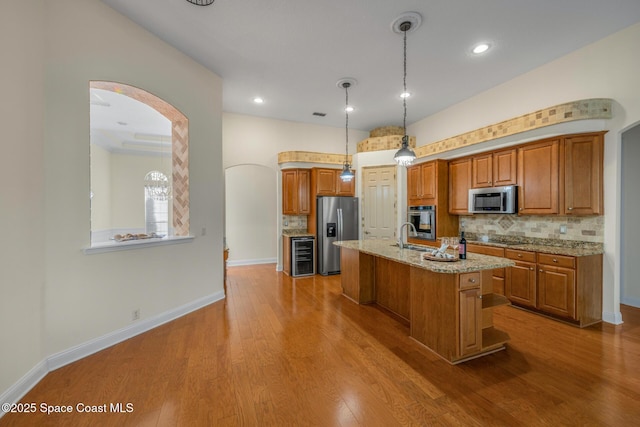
{"type": "Point", "coordinates": [423, 182]}
{"type": "Point", "coordinates": [325, 182]}
{"type": "Point", "coordinates": [304, 190]}
{"type": "Point", "coordinates": [295, 192]}
{"type": "Point", "coordinates": [494, 169]}
{"type": "Point", "coordinates": [482, 167]}
{"type": "Point", "coordinates": [414, 185]}
{"type": "Point", "coordinates": [504, 168]}
{"type": "Point", "coordinates": [459, 185]}
{"type": "Point", "coordinates": [345, 188]}
{"type": "Point", "coordinates": [429, 181]}
{"type": "Point", "coordinates": [538, 169]}
{"type": "Point", "coordinates": [581, 169]}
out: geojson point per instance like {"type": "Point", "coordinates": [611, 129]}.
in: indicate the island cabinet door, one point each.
{"type": "Point", "coordinates": [470, 321]}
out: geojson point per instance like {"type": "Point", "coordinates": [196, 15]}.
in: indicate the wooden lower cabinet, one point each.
{"type": "Point", "coordinates": [498, 274]}
{"type": "Point", "coordinates": [286, 255]}
{"type": "Point", "coordinates": [557, 290]}
{"type": "Point", "coordinates": [357, 271]}
{"type": "Point", "coordinates": [470, 303]}
{"type": "Point", "coordinates": [565, 287]}
{"type": "Point", "coordinates": [392, 286]}
{"type": "Point", "coordinates": [449, 313]}
{"type": "Point", "coordinates": [521, 284]}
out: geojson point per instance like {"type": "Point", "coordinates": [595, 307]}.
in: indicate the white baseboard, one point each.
{"type": "Point", "coordinates": [24, 384]}
{"type": "Point", "coordinates": [58, 360]}
{"type": "Point", "coordinates": [237, 263]}
{"type": "Point", "coordinates": [612, 317]}
{"type": "Point", "coordinates": [633, 302]}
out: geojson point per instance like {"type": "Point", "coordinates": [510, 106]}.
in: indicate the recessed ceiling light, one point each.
{"type": "Point", "coordinates": [405, 94]}
{"type": "Point", "coordinates": [480, 48]}
{"type": "Point", "coordinates": [258, 100]}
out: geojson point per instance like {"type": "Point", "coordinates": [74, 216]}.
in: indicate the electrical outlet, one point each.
{"type": "Point", "coordinates": [563, 229]}
{"type": "Point", "coordinates": [135, 314]}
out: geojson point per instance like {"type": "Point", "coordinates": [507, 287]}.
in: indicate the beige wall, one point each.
{"type": "Point", "coordinates": [605, 69]}
{"type": "Point", "coordinates": [91, 295]}
{"type": "Point", "coordinates": [53, 295]}
{"type": "Point", "coordinates": [255, 141]}
{"type": "Point", "coordinates": [251, 222]}
{"type": "Point", "coordinates": [22, 262]}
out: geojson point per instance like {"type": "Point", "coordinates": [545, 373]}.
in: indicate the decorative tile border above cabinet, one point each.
{"type": "Point", "coordinates": [596, 108]}
{"type": "Point", "coordinates": [381, 143]}
{"type": "Point", "coordinates": [311, 157]}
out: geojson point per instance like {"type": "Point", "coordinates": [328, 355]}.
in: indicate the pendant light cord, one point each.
{"type": "Point", "coordinates": [346, 126]}
{"type": "Point", "coordinates": [404, 82]}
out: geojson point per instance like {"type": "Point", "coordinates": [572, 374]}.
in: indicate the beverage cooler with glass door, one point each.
{"type": "Point", "coordinates": [303, 256]}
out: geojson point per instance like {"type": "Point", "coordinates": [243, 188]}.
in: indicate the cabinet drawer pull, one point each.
{"type": "Point", "coordinates": [472, 280]}
{"type": "Point", "coordinates": [570, 209]}
{"type": "Point", "coordinates": [519, 255]}
{"type": "Point", "coordinates": [555, 260]}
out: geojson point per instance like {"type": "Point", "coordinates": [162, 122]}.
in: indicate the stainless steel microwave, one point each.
{"type": "Point", "coordinates": [498, 200]}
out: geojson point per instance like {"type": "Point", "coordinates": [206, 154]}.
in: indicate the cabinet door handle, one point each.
{"type": "Point", "coordinates": [570, 209]}
{"type": "Point", "coordinates": [541, 271]}
{"type": "Point", "coordinates": [531, 268]}
{"type": "Point", "coordinates": [520, 208]}
{"type": "Point", "coordinates": [479, 296]}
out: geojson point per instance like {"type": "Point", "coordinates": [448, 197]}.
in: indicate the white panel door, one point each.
{"type": "Point", "coordinates": [379, 202]}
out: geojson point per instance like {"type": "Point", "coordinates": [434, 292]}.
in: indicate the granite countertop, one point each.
{"type": "Point", "coordinates": [297, 233]}
{"type": "Point", "coordinates": [387, 249]}
{"type": "Point", "coordinates": [555, 247]}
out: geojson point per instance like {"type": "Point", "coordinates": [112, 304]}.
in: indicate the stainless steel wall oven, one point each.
{"type": "Point", "coordinates": [423, 219]}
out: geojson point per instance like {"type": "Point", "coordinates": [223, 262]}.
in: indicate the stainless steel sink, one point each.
{"type": "Point", "coordinates": [414, 247]}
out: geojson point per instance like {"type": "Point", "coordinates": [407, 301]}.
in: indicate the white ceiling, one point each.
{"type": "Point", "coordinates": [292, 52]}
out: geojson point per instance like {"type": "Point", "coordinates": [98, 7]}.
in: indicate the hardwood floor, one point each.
{"type": "Point", "coordinates": [294, 352]}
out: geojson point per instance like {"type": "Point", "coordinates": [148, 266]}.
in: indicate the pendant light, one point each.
{"type": "Point", "coordinates": [405, 155]}
{"type": "Point", "coordinates": [347, 174]}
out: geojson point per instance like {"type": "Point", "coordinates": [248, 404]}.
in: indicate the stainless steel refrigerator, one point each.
{"type": "Point", "coordinates": [337, 219]}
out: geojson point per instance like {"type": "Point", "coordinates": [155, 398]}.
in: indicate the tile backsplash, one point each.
{"type": "Point", "coordinates": [585, 229]}
{"type": "Point", "coordinates": [294, 222]}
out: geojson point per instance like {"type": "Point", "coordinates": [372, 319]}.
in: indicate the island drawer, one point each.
{"type": "Point", "coordinates": [559, 260]}
{"type": "Point", "coordinates": [520, 255]}
{"type": "Point", "coordinates": [470, 280]}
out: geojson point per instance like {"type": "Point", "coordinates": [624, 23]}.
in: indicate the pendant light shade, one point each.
{"type": "Point", "coordinates": [405, 156]}
{"type": "Point", "coordinates": [347, 174]}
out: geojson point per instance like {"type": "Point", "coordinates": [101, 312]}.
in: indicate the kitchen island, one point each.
{"type": "Point", "coordinates": [448, 305]}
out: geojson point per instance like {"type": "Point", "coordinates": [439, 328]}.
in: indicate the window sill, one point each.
{"type": "Point", "coordinates": [113, 246]}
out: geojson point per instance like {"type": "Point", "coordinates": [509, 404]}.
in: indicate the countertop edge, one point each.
{"type": "Point", "coordinates": [474, 262]}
